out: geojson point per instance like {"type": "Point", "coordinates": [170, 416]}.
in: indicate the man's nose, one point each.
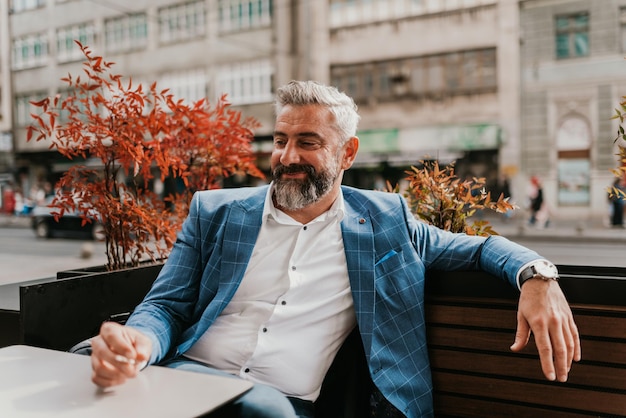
{"type": "Point", "coordinates": [290, 155]}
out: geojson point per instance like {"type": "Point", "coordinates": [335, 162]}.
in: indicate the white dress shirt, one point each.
{"type": "Point", "coordinates": [292, 310]}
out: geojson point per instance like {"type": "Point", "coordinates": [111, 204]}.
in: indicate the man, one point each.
{"type": "Point", "coordinates": [266, 283]}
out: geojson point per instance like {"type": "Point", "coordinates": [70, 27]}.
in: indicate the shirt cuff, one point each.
{"type": "Point", "coordinates": [519, 271]}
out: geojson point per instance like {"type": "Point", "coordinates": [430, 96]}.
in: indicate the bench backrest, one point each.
{"type": "Point", "coordinates": [475, 373]}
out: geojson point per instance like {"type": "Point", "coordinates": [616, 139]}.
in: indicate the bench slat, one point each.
{"type": "Point", "coordinates": [607, 352]}
{"type": "Point", "coordinates": [548, 394]}
{"type": "Point", "coordinates": [468, 407]}
{"type": "Point", "coordinates": [604, 323]}
{"type": "Point", "coordinates": [472, 316]}
{"type": "Point", "coordinates": [521, 367]}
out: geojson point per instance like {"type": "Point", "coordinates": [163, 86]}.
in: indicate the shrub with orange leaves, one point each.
{"type": "Point", "coordinates": [437, 196]}
{"type": "Point", "coordinates": [620, 140]}
{"type": "Point", "coordinates": [138, 133]}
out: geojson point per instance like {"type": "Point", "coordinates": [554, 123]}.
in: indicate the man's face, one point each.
{"type": "Point", "coordinates": [307, 160]}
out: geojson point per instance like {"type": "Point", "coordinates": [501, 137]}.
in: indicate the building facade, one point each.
{"type": "Point", "coordinates": [499, 86]}
{"type": "Point", "coordinates": [197, 49]}
{"type": "Point", "coordinates": [573, 75]}
{"type": "Point", "coordinates": [433, 80]}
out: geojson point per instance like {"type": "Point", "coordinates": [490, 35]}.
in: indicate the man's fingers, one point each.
{"type": "Point", "coordinates": [522, 335]}
{"type": "Point", "coordinates": [105, 374]}
{"type": "Point", "coordinates": [544, 347]}
{"type": "Point", "coordinates": [576, 338]}
{"type": "Point", "coordinates": [143, 346]}
{"type": "Point", "coordinates": [118, 339]}
{"type": "Point", "coordinates": [114, 358]}
{"type": "Point", "coordinates": [558, 345]}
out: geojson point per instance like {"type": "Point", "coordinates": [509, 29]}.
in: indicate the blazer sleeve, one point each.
{"type": "Point", "coordinates": [169, 305]}
{"type": "Point", "coordinates": [444, 250]}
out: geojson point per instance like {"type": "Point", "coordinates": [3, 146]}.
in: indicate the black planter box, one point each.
{"type": "Point", "coordinates": [60, 313]}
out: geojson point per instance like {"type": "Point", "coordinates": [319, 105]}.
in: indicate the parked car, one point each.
{"type": "Point", "coordinates": [69, 225]}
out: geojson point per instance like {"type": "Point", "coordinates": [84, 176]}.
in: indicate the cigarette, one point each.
{"type": "Point", "coordinates": [121, 359]}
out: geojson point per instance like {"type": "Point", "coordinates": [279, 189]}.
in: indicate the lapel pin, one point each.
{"type": "Point", "coordinates": [361, 220]}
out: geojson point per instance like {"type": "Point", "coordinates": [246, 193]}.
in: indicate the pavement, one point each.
{"type": "Point", "coordinates": [12, 221]}
{"type": "Point", "coordinates": [559, 230]}
{"type": "Point", "coordinates": [513, 228]}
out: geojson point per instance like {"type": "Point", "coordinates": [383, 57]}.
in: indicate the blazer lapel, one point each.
{"type": "Point", "coordinates": [358, 241]}
{"type": "Point", "coordinates": [241, 229]}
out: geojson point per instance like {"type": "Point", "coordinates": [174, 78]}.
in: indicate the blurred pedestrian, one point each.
{"type": "Point", "coordinates": [617, 197]}
{"type": "Point", "coordinates": [539, 213]}
{"type": "Point", "coordinates": [8, 200]}
{"type": "Point", "coordinates": [19, 202]}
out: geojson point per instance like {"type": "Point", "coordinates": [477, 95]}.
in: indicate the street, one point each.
{"type": "Point", "coordinates": [579, 252]}
{"type": "Point", "coordinates": [23, 257]}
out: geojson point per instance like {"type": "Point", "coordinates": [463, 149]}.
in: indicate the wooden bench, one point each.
{"type": "Point", "coordinates": [476, 375]}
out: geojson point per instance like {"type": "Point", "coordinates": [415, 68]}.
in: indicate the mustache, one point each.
{"type": "Point", "coordinates": [293, 168]}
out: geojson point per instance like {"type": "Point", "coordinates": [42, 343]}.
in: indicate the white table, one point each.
{"type": "Point", "coordinates": [36, 382]}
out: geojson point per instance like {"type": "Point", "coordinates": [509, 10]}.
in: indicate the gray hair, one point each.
{"type": "Point", "coordinates": [300, 93]}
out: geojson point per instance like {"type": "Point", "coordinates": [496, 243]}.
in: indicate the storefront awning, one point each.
{"type": "Point", "coordinates": [409, 146]}
{"type": "Point", "coordinates": [451, 138]}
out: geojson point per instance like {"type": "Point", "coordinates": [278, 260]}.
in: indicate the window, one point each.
{"type": "Point", "coordinates": [361, 81]}
{"type": "Point", "coordinates": [22, 5]}
{"type": "Point", "coordinates": [573, 142]}
{"type": "Point", "coordinates": [182, 22]}
{"type": "Point", "coordinates": [572, 35]}
{"type": "Point", "coordinates": [23, 108]}
{"type": "Point", "coordinates": [235, 15]}
{"type": "Point", "coordinates": [190, 86]}
{"type": "Point", "coordinates": [246, 83]}
{"type": "Point", "coordinates": [125, 33]}
{"type": "Point", "coordinates": [383, 72]}
{"type": "Point", "coordinates": [455, 73]}
{"type": "Point", "coordinates": [358, 12]}
{"type": "Point", "coordinates": [67, 50]}
{"type": "Point", "coordinates": [30, 51]}
{"type": "Point", "coordinates": [434, 75]}
{"type": "Point", "coordinates": [74, 99]}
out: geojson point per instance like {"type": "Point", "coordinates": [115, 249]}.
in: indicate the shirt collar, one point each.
{"type": "Point", "coordinates": [337, 210]}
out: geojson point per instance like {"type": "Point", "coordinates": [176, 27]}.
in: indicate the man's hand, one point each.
{"type": "Point", "coordinates": [118, 353]}
{"type": "Point", "coordinates": [544, 311]}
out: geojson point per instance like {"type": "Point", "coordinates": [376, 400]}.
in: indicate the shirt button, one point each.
{"type": "Point", "coordinates": [264, 329]}
{"type": "Point", "coordinates": [284, 302]}
{"type": "Point", "coordinates": [293, 268]}
{"type": "Point", "coordinates": [305, 227]}
{"type": "Point", "coordinates": [247, 370]}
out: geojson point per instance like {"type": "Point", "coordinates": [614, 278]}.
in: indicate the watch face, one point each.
{"type": "Point", "coordinates": [546, 269]}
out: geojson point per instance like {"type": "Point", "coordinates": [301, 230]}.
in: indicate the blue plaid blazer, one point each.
{"type": "Point", "coordinates": [388, 253]}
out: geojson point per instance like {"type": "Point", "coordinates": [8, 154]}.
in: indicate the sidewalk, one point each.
{"type": "Point", "coordinates": [558, 230]}
{"type": "Point", "coordinates": [9, 221]}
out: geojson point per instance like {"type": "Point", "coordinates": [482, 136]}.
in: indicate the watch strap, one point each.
{"type": "Point", "coordinates": [530, 272]}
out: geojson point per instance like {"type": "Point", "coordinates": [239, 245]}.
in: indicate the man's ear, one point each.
{"type": "Point", "coordinates": [350, 150]}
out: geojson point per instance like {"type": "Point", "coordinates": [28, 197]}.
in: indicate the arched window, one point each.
{"type": "Point", "coordinates": [573, 143]}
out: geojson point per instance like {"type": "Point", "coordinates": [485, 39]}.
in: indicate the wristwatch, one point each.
{"type": "Point", "coordinates": [541, 269]}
